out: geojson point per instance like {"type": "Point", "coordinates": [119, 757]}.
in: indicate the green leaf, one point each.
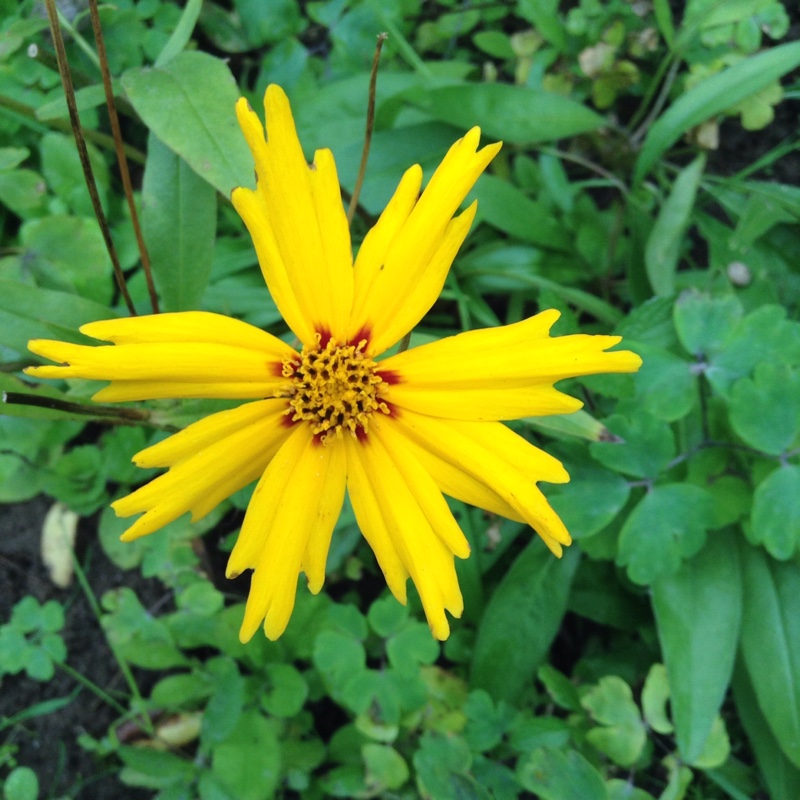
{"type": "Point", "coordinates": [698, 613]}
{"type": "Point", "coordinates": [531, 601]}
{"type": "Point", "coordinates": [224, 709]}
{"type": "Point", "coordinates": [704, 323]}
{"type": "Point", "coordinates": [411, 647]}
{"type": "Point", "coordinates": [765, 411]}
{"type": "Point", "coordinates": [645, 446]}
{"type": "Point", "coordinates": [781, 775]}
{"type": "Point", "coordinates": [188, 104]}
{"type": "Point", "coordinates": [21, 784]}
{"type": "Point", "coordinates": [287, 691]}
{"type": "Point", "coordinates": [621, 733]}
{"type": "Point", "coordinates": [514, 114]}
{"type": "Point", "coordinates": [508, 209]}
{"type": "Point", "coordinates": [665, 384]}
{"type": "Point", "coordinates": [771, 644]}
{"type": "Point", "coordinates": [713, 96]}
{"type": "Point", "coordinates": [153, 769]}
{"type": "Point", "coordinates": [775, 521]}
{"type": "Point", "coordinates": [247, 763]}
{"type": "Point", "coordinates": [139, 637]}
{"type": "Point", "coordinates": [179, 219]}
{"type": "Point", "coordinates": [663, 248]}
{"type": "Point", "coordinates": [28, 312]}
{"type": "Point", "coordinates": [668, 525]}
{"type": "Point", "coordinates": [555, 775]}
{"type": "Point", "coordinates": [386, 769]}
{"type": "Point", "coordinates": [182, 33]}
{"type": "Point", "coordinates": [591, 500]}
{"type": "Point", "coordinates": [655, 696]}
{"type": "Point", "coordinates": [386, 616]}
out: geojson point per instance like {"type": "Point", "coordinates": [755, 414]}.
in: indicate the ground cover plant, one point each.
{"type": "Point", "coordinates": [644, 189]}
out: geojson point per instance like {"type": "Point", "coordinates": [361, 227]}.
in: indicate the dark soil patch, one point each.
{"type": "Point", "coordinates": [48, 744]}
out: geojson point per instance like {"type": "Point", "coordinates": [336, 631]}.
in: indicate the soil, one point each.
{"type": "Point", "coordinates": [48, 744]}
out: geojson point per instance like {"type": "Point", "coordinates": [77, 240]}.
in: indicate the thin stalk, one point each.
{"type": "Point", "coordinates": [661, 100]}
{"type": "Point", "coordinates": [362, 168]}
{"type": "Point", "coordinates": [69, 94]}
{"type": "Point", "coordinates": [126, 415]}
{"type": "Point", "coordinates": [121, 160]}
{"type": "Point", "coordinates": [28, 114]}
{"type": "Point", "coordinates": [93, 688]}
{"type": "Point", "coordinates": [590, 165]}
{"type": "Point", "coordinates": [123, 665]}
{"type": "Point", "coordinates": [78, 39]}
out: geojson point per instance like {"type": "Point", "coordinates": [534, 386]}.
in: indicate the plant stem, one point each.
{"type": "Point", "coordinates": [91, 185]}
{"type": "Point", "coordinates": [362, 167]}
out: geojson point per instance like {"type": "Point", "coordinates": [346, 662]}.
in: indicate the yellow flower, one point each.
{"type": "Point", "coordinates": [396, 434]}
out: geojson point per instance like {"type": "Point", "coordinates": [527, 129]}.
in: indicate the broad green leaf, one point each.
{"type": "Point", "coordinates": [621, 733]}
{"type": "Point", "coordinates": [514, 114]}
{"type": "Point", "coordinates": [154, 769]}
{"type": "Point", "coordinates": [21, 784]}
{"type": "Point", "coordinates": [179, 219]}
{"type": "Point", "coordinates": [66, 252]}
{"type": "Point", "coordinates": [645, 446]}
{"type": "Point", "coordinates": [663, 248]}
{"type": "Point", "coordinates": [775, 522]}
{"type": "Point", "coordinates": [713, 96]}
{"type": "Point", "coordinates": [717, 748]}
{"type": "Point", "coordinates": [666, 384]}
{"type": "Point", "coordinates": [385, 767]}
{"type": "Point", "coordinates": [771, 644]}
{"type": "Point", "coordinates": [544, 16]}
{"type": "Point", "coordinates": [28, 312]}
{"type": "Point", "coordinates": [763, 335]}
{"type": "Point", "coordinates": [286, 692]}
{"type": "Point", "coordinates": [698, 612]}
{"type": "Point", "coordinates": [555, 775]}
{"type": "Point", "coordinates": [781, 775]}
{"type": "Point", "coordinates": [507, 208]}
{"type": "Point", "coordinates": [655, 696]}
{"type": "Point", "coordinates": [765, 411]}
{"type": "Point", "coordinates": [592, 498]}
{"type": "Point", "coordinates": [667, 526]}
{"type": "Point", "coordinates": [224, 709]}
{"type": "Point", "coordinates": [704, 323]}
{"type": "Point", "coordinates": [188, 103]}
{"type": "Point", "coordinates": [248, 762]}
{"type": "Point", "coordinates": [530, 601]}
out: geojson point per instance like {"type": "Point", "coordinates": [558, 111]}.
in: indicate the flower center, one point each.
{"type": "Point", "coordinates": [335, 388]}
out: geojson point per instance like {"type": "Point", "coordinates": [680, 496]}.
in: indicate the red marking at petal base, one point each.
{"type": "Point", "coordinates": [362, 334]}
{"type": "Point", "coordinates": [394, 411]}
{"type": "Point", "coordinates": [324, 337]}
{"type": "Point", "coordinates": [275, 368]}
{"type": "Point", "coordinates": [287, 421]}
{"type": "Point", "coordinates": [361, 435]}
{"type": "Point", "coordinates": [389, 376]}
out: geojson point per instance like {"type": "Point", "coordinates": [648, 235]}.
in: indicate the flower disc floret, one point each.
{"type": "Point", "coordinates": [335, 388]}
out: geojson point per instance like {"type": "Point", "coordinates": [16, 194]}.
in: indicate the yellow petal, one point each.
{"type": "Point", "coordinates": [305, 511]}
{"type": "Point", "coordinates": [372, 523]}
{"type": "Point", "coordinates": [303, 214]}
{"type": "Point", "coordinates": [124, 391]}
{"type": "Point", "coordinates": [489, 455]}
{"type": "Point", "coordinates": [199, 481]}
{"type": "Point", "coordinates": [429, 562]}
{"type": "Point", "coordinates": [188, 326]}
{"type": "Point", "coordinates": [415, 262]}
{"type": "Point", "coordinates": [371, 256]}
{"type": "Point", "coordinates": [251, 208]}
{"type": "Point", "coordinates": [501, 373]}
{"type": "Point", "coordinates": [400, 313]}
{"type": "Point", "coordinates": [191, 362]}
{"type": "Point", "coordinates": [429, 497]}
{"type": "Point", "coordinates": [213, 428]}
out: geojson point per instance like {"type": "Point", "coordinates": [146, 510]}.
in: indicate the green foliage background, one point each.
{"type": "Point", "coordinates": [660, 658]}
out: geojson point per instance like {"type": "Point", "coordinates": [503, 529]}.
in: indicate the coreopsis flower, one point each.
{"type": "Point", "coordinates": [330, 416]}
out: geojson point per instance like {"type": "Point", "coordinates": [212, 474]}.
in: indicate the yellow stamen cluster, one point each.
{"type": "Point", "coordinates": [335, 388]}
